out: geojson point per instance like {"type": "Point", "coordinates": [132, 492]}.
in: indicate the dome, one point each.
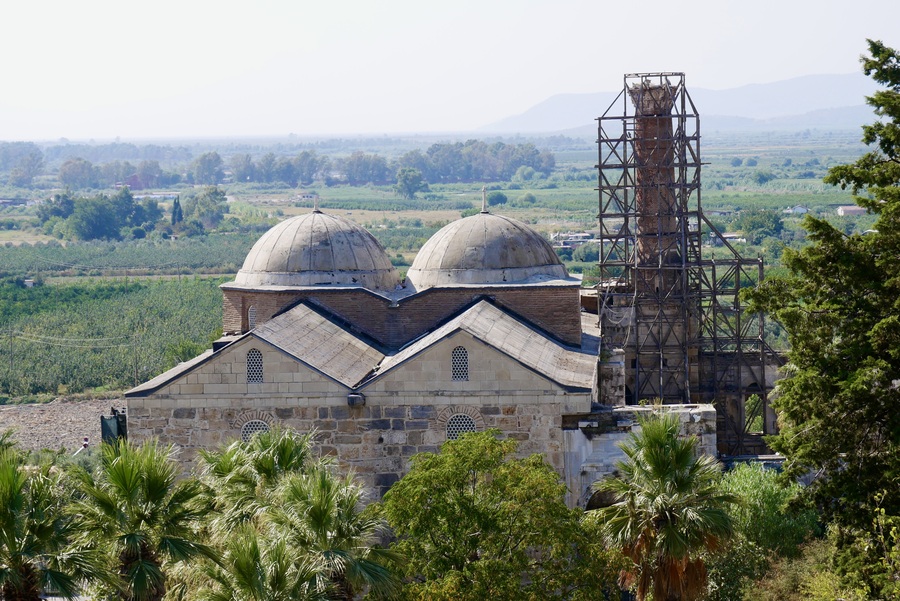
{"type": "Point", "coordinates": [484, 249]}
{"type": "Point", "coordinates": [317, 249]}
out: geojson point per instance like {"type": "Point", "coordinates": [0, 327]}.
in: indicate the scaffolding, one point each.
{"type": "Point", "coordinates": [677, 315]}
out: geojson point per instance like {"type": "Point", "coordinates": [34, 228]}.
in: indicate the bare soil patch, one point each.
{"type": "Point", "coordinates": [62, 423]}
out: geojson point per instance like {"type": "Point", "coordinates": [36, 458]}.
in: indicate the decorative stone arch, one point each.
{"type": "Point", "coordinates": [459, 412]}
{"type": "Point", "coordinates": [251, 418]}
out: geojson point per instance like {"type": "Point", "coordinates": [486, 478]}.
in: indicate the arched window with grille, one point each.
{"type": "Point", "coordinates": [251, 317]}
{"type": "Point", "coordinates": [254, 426]}
{"type": "Point", "coordinates": [459, 364]}
{"type": "Point", "coordinates": [459, 424]}
{"type": "Point", "coordinates": [254, 366]}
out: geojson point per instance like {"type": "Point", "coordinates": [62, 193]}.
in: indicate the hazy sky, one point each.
{"type": "Point", "coordinates": [101, 69]}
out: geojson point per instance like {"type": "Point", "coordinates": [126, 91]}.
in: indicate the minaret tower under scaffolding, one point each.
{"type": "Point", "coordinates": [677, 315]}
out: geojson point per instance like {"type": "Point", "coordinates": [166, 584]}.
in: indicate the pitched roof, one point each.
{"type": "Point", "coordinates": [509, 335]}
{"type": "Point", "coordinates": [320, 343]}
{"type": "Point", "coordinates": [169, 375]}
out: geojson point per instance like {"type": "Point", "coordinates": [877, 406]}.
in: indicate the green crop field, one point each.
{"type": "Point", "coordinates": [109, 313]}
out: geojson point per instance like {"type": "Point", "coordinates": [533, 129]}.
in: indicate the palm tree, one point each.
{"type": "Point", "coordinates": [141, 513]}
{"type": "Point", "coordinates": [273, 485]}
{"type": "Point", "coordinates": [669, 510]}
{"type": "Point", "coordinates": [35, 534]}
{"type": "Point", "coordinates": [254, 568]}
{"type": "Point", "coordinates": [239, 479]}
{"type": "Point", "coordinates": [319, 514]}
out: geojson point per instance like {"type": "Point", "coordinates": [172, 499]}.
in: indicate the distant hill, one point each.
{"type": "Point", "coordinates": [812, 101]}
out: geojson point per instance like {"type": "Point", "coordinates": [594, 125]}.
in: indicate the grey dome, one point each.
{"type": "Point", "coordinates": [317, 249]}
{"type": "Point", "coordinates": [484, 249]}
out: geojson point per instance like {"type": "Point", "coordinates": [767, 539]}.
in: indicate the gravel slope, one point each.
{"type": "Point", "coordinates": [61, 423]}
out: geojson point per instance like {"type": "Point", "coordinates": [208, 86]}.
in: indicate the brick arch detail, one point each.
{"type": "Point", "coordinates": [447, 412]}
{"type": "Point", "coordinates": [247, 416]}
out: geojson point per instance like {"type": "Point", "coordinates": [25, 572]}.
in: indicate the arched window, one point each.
{"type": "Point", "coordinates": [459, 424]}
{"type": "Point", "coordinates": [459, 364]}
{"type": "Point", "coordinates": [254, 366]}
{"type": "Point", "coordinates": [251, 317]}
{"type": "Point", "coordinates": [254, 426]}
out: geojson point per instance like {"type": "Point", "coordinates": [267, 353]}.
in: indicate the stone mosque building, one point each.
{"type": "Point", "coordinates": [487, 331]}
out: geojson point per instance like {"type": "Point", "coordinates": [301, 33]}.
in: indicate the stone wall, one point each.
{"type": "Point", "coordinates": [405, 412]}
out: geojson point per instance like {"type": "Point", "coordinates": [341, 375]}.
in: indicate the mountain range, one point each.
{"type": "Point", "coordinates": [833, 102]}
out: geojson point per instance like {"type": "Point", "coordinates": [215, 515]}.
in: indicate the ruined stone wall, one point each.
{"type": "Point", "coordinates": [592, 448]}
{"type": "Point", "coordinates": [611, 378]}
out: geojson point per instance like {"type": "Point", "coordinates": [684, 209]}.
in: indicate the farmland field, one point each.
{"type": "Point", "coordinates": [108, 314]}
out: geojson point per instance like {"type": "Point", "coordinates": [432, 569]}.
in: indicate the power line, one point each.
{"type": "Point", "coordinates": [99, 267]}
{"type": "Point", "coordinates": [68, 345]}
{"type": "Point", "coordinates": [64, 339]}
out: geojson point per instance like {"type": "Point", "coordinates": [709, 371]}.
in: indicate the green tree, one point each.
{"type": "Point", "coordinates": [320, 517]}
{"type": "Point", "coordinates": [273, 485]}
{"type": "Point", "coordinates": [240, 478]}
{"type": "Point", "coordinates": [208, 207]}
{"type": "Point", "coordinates": [474, 522]}
{"type": "Point", "coordinates": [207, 169]}
{"type": "Point", "coordinates": [286, 171]}
{"type": "Point", "coordinates": [35, 532]}
{"type": "Point", "coordinates": [523, 174]}
{"type": "Point", "coordinates": [361, 168]}
{"type": "Point", "coordinates": [77, 173]}
{"type": "Point", "coordinates": [768, 524]}
{"type": "Point", "coordinates": [149, 173]}
{"type": "Point", "coordinates": [758, 224]}
{"type": "Point", "coordinates": [28, 167]}
{"type": "Point", "coordinates": [496, 198]}
{"type": "Point", "coordinates": [60, 205]}
{"type": "Point", "coordinates": [254, 568]}
{"type": "Point", "coordinates": [265, 168]}
{"type": "Point", "coordinates": [840, 307]}
{"type": "Point", "coordinates": [588, 252]}
{"type": "Point", "coordinates": [670, 511]}
{"type": "Point", "coordinates": [177, 212]}
{"type": "Point", "coordinates": [94, 218]}
{"type": "Point", "coordinates": [242, 168]}
{"type": "Point", "coordinates": [308, 166]}
{"type": "Point", "coordinates": [142, 514]}
{"type": "Point", "coordinates": [410, 182]}
{"type": "Point", "coordinates": [762, 176]}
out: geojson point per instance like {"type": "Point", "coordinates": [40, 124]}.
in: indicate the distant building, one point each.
{"type": "Point", "coordinates": [731, 238]}
{"type": "Point", "coordinates": [570, 239]}
{"type": "Point", "coordinates": [848, 210]}
{"type": "Point", "coordinates": [797, 210]}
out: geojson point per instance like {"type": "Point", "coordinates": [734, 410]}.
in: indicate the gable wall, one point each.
{"type": "Point", "coordinates": [405, 412]}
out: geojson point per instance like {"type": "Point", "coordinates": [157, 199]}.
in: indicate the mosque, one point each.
{"type": "Point", "coordinates": [486, 331]}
